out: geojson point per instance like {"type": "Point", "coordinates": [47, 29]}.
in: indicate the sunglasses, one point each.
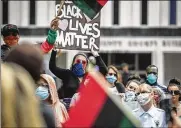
{"type": "Point", "coordinates": [174, 92]}
{"type": "Point", "coordinates": [10, 33]}
{"type": "Point", "coordinates": [112, 74]}
{"type": "Point", "coordinates": [81, 61]}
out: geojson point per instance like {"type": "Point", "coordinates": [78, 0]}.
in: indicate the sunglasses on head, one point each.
{"type": "Point", "coordinates": [112, 74]}
{"type": "Point", "coordinates": [174, 92]}
{"type": "Point", "coordinates": [81, 61]}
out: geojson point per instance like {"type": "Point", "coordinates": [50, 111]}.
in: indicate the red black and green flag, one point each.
{"type": "Point", "coordinates": [98, 108]}
{"type": "Point", "coordinates": [90, 7]}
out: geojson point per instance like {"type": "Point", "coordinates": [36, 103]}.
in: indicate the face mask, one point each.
{"type": "Point", "coordinates": [143, 99]}
{"type": "Point", "coordinates": [78, 70]}
{"type": "Point", "coordinates": [151, 78]}
{"type": "Point", "coordinates": [42, 92]}
{"type": "Point", "coordinates": [129, 96]}
{"type": "Point", "coordinates": [111, 79]}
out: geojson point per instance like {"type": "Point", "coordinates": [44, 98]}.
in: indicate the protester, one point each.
{"type": "Point", "coordinates": [10, 35]}
{"type": "Point", "coordinates": [114, 79]}
{"type": "Point", "coordinates": [18, 102]}
{"type": "Point", "coordinates": [125, 72]}
{"type": "Point", "coordinates": [174, 89]}
{"type": "Point", "coordinates": [30, 58]}
{"type": "Point", "coordinates": [152, 76]}
{"type": "Point", "coordinates": [148, 114]}
{"type": "Point", "coordinates": [72, 77]}
{"type": "Point", "coordinates": [47, 92]}
{"type": "Point", "coordinates": [132, 88]}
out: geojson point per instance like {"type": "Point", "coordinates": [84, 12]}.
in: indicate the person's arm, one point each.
{"type": "Point", "coordinates": [63, 74]}
{"type": "Point", "coordinates": [102, 66]}
{"type": "Point", "coordinates": [48, 44]}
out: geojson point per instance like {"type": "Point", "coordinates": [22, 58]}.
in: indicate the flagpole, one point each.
{"type": "Point", "coordinates": [61, 5]}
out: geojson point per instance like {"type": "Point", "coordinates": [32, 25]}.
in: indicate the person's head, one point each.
{"type": "Point", "coordinates": [158, 95]}
{"type": "Point", "coordinates": [133, 85]}
{"type": "Point", "coordinates": [46, 89]}
{"type": "Point", "coordinates": [19, 105]}
{"type": "Point", "coordinates": [151, 74]}
{"type": "Point", "coordinates": [112, 74]}
{"type": "Point", "coordinates": [10, 34]}
{"type": "Point", "coordinates": [145, 94]}
{"type": "Point", "coordinates": [174, 89]}
{"type": "Point", "coordinates": [134, 77]}
{"type": "Point", "coordinates": [79, 64]}
{"type": "Point", "coordinates": [125, 67]}
{"type": "Point", "coordinates": [132, 88]}
{"type": "Point", "coordinates": [28, 57]}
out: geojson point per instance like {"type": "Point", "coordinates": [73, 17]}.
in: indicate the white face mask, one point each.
{"type": "Point", "coordinates": [129, 96]}
{"type": "Point", "coordinates": [143, 99]}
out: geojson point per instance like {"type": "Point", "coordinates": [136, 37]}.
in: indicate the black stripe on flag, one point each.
{"type": "Point", "coordinates": [115, 119]}
{"type": "Point", "coordinates": [94, 5]}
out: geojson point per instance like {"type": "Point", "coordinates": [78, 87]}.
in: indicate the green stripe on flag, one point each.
{"type": "Point", "coordinates": [125, 123]}
{"type": "Point", "coordinates": [85, 8]}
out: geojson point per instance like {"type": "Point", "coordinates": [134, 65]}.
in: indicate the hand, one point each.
{"type": "Point", "coordinates": [176, 119]}
{"type": "Point", "coordinates": [54, 24]}
{"type": "Point", "coordinates": [94, 53]}
{"type": "Point", "coordinates": [58, 51]}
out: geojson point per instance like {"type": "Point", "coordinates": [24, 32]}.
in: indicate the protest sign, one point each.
{"type": "Point", "coordinates": [77, 31]}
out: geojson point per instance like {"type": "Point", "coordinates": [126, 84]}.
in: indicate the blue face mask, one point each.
{"type": "Point", "coordinates": [111, 79]}
{"type": "Point", "coordinates": [78, 70]}
{"type": "Point", "coordinates": [42, 92]}
{"type": "Point", "coordinates": [151, 78]}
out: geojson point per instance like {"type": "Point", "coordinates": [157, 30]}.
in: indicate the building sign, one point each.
{"type": "Point", "coordinates": [140, 44]}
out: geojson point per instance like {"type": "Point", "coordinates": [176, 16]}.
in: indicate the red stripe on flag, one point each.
{"type": "Point", "coordinates": [102, 2]}
{"type": "Point", "coordinates": [92, 99]}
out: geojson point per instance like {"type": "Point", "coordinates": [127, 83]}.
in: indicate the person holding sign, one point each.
{"type": "Point", "coordinates": [72, 77]}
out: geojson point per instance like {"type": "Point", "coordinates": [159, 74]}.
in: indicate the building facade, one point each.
{"type": "Point", "coordinates": [137, 32]}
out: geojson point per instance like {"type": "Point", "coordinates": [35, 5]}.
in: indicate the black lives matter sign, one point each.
{"type": "Point", "coordinates": [76, 31]}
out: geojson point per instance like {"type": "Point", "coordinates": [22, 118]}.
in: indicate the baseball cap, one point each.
{"type": "Point", "coordinates": [9, 28]}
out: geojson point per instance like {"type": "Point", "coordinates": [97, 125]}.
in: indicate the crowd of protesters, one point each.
{"type": "Point", "coordinates": [30, 97]}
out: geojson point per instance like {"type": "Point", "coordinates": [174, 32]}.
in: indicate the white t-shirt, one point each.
{"type": "Point", "coordinates": [114, 90]}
